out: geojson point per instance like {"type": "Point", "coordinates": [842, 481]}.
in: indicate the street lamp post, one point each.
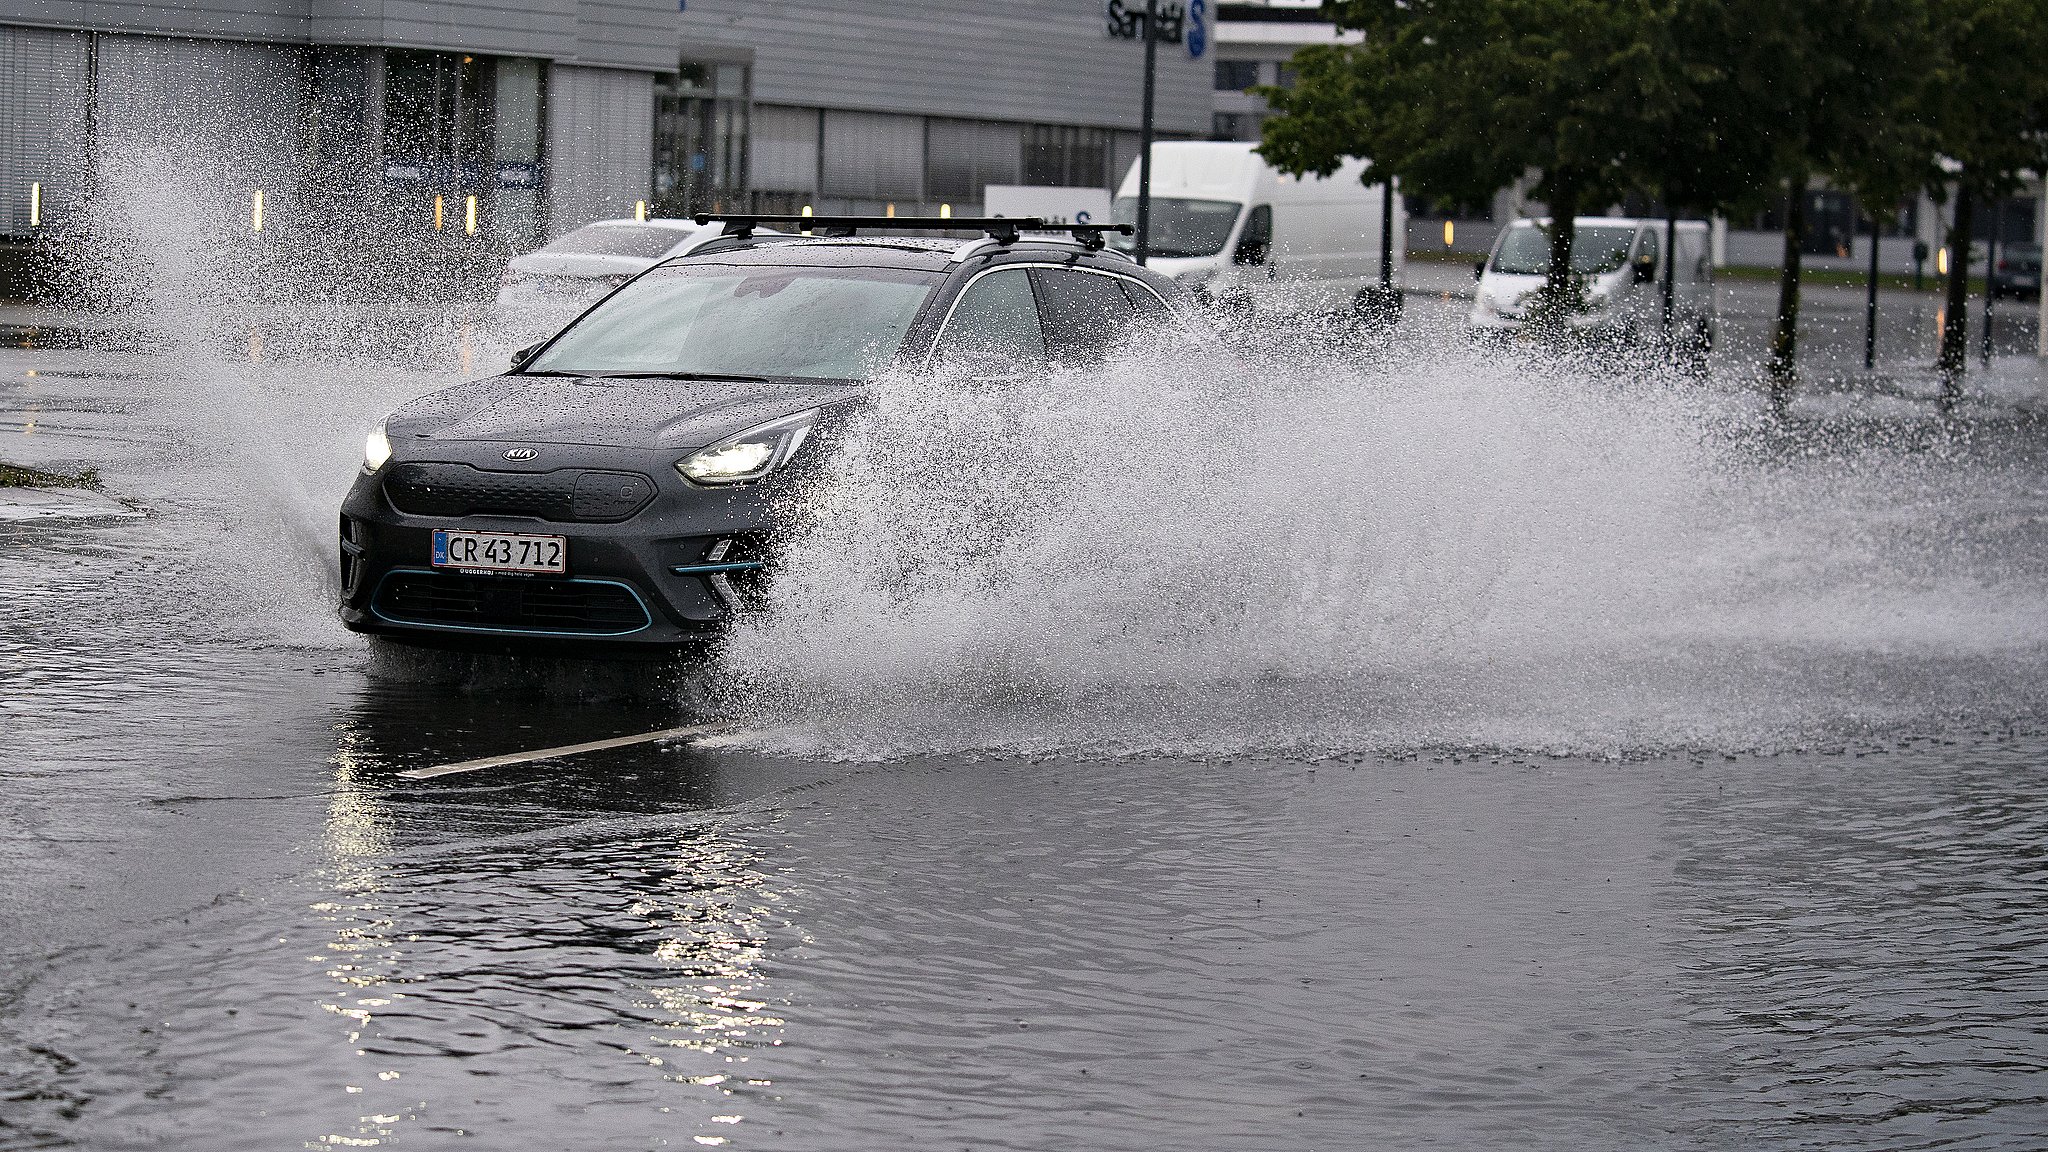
{"type": "Point", "coordinates": [1870, 303]}
{"type": "Point", "coordinates": [1144, 245]}
{"type": "Point", "coordinates": [1991, 272]}
{"type": "Point", "coordinates": [2041, 275]}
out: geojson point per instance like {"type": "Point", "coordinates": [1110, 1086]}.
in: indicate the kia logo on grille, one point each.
{"type": "Point", "coordinates": [521, 453]}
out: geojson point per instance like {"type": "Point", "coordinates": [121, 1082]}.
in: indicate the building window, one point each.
{"type": "Point", "coordinates": [1234, 126]}
{"type": "Point", "coordinates": [700, 138]}
{"type": "Point", "coordinates": [1066, 157]}
{"type": "Point", "coordinates": [460, 125]}
{"type": "Point", "coordinates": [964, 157]}
{"type": "Point", "coordinates": [1236, 75]}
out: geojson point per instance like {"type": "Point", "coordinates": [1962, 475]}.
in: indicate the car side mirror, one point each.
{"type": "Point", "coordinates": [1479, 270]}
{"type": "Point", "coordinates": [520, 357]}
{"type": "Point", "coordinates": [1646, 270]}
{"type": "Point", "coordinates": [1251, 252]}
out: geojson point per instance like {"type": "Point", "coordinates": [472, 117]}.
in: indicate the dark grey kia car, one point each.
{"type": "Point", "coordinates": [619, 487]}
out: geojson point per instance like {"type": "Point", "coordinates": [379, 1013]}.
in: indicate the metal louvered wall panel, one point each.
{"type": "Point", "coordinates": [967, 155]}
{"type": "Point", "coordinates": [1023, 61]}
{"type": "Point", "coordinates": [783, 149]}
{"type": "Point", "coordinates": [246, 101]}
{"type": "Point", "coordinates": [42, 123]}
{"type": "Point", "coordinates": [872, 156]}
{"type": "Point", "coordinates": [600, 143]}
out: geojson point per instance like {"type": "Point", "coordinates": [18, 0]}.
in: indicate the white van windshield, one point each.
{"type": "Point", "coordinates": [1595, 249]}
{"type": "Point", "coordinates": [1179, 227]}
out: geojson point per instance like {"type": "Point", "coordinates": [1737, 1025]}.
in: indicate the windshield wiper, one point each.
{"type": "Point", "coordinates": [734, 377]}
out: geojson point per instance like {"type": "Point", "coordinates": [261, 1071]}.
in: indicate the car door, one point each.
{"type": "Point", "coordinates": [993, 330]}
{"type": "Point", "coordinates": [1086, 314]}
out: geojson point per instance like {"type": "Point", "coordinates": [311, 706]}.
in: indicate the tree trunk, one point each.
{"type": "Point", "coordinates": [1785, 341]}
{"type": "Point", "coordinates": [1955, 320]}
{"type": "Point", "coordinates": [1560, 289]}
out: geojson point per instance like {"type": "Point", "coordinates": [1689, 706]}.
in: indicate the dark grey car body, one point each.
{"type": "Point", "coordinates": [654, 560]}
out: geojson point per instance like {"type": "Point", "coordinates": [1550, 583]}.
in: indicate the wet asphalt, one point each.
{"type": "Point", "coordinates": [228, 922]}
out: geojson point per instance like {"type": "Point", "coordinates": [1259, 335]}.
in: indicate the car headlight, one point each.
{"type": "Point", "coordinates": [749, 455]}
{"type": "Point", "coordinates": [376, 448]}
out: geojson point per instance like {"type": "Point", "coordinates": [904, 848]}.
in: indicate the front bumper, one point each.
{"type": "Point", "coordinates": [1486, 319]}
{"type": "Point", "coordinates": [671, 574]}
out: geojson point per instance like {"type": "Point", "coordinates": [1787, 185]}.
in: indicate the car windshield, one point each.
{"type": "Point", "coordinates": [728, 320]}
{"type": "Point", "coordinates": [1179, 227]}
{"type": "Point", "coordinates": [642, 240]}
{"type": "Point", "coordinates": [1595, 249]}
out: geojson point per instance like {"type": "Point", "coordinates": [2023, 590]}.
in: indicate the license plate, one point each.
{"type": "Point", "coordinates": [501, 551]}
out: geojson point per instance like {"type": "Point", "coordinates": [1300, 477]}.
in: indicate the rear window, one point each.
{"type": "Point", "coordinates": [617, 240]}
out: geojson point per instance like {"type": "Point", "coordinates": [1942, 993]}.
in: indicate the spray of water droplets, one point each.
{"type": "Point", "coordinates": [1450, 546]}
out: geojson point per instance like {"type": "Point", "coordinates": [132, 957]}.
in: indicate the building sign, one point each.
{"type": "Point", "coordinates": [517, 174]}
{"type": "Point", "coordinates": [1178, 24]}
{"type": "Point", "coordinates": [1052, 205]}
{"type": "Point", "coordinates": [469, 176]}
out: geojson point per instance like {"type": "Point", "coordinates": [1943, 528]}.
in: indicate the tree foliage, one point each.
{"type": "Point", "coordinates": [1709, 105]}
{"type": "Point", "coordinates": [1460, 97]}
{"type": "Point", "coordinates": [1985, 107]}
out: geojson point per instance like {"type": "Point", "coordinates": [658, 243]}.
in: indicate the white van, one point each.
{"type": "Point", "coordinates": [1230, 227]}
{"type": "Point", "coordinates": [1621, 262]}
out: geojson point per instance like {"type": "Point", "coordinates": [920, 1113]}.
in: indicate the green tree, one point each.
{"type": "Point", "coordinates": [1461, 97]}
{"type": "Point", "coordinates": [1986, 106]}
{"type": "Point", "coordinates": [1826, 88]}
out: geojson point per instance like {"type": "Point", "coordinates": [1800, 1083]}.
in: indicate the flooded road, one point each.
{"type": "Point", "coordinates": [1742, 847]}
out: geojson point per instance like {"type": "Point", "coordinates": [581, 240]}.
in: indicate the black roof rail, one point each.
{"type": "Point", "coordinates": [1004, 229]}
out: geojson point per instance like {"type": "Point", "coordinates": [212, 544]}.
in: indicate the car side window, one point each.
{"type": "Point", "coordinates": [994, 326]}
{"type": "Point", "coordinates": [1152, 313]}
{"type": "Point", "coordinates": [1085, 314]}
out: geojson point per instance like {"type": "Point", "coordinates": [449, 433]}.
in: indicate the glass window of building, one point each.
{"type": "Point", "coordinates": [1236, 75]}
{"type": "Point", "coordinates": [701, 127]}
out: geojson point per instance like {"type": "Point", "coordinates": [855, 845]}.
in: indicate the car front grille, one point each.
{"type": "Point", "coordinates": [569, 495]}
{"type": "Point", "coordinates": [511, 603]}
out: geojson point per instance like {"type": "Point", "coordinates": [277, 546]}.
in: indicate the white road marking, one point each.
{"type": "Point", "coordinates": [557, 753]}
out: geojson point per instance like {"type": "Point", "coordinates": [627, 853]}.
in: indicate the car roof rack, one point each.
{"type": "Point", "coordinates": [1001, 229]}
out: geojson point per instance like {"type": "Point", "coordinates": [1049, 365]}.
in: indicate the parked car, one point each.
{"type": "Point", "coordinates": [1620, 262]}
{"type": "Point", "coordinates": [617, 487]}
{"type": "Point", "coordinates": [2018, 271]}
{"type": "Point", "coordinates": [574, 270]}
{"type": "Point", "coordinates": [1231, 227]}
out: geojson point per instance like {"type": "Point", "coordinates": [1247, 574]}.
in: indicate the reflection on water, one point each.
{"type": "Point", "coordinates": [616, 955]}
{"type": "Point", "coordinates": [1804, 950]}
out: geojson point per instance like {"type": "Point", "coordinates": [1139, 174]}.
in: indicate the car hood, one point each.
{"type": "Point", "coordinates": [618, 413]}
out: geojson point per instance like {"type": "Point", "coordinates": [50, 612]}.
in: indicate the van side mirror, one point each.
{"type": "Point", "coordinates": [1255, 243]}
{"type": "Point", "coordinates": [1646, 269]}
{"type": "Point", "coordinates": [520, 357]}
{"type": "Point", "coordinates": [1479, 270]}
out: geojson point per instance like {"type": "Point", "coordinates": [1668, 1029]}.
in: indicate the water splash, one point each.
{"type": "Point", "coordinates": [1446, 548]}
{"type": "Point", "coordinates": [264, 354]}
